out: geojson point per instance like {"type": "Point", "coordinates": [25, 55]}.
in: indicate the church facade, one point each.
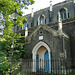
{"type": "Point", "coordinates": [51, 34]}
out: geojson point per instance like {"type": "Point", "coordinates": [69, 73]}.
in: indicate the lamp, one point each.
{"type": "Point", "coordinates": [14, 17]}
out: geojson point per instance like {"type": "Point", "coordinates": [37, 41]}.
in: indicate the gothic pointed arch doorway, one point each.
{"type": "Point", "coordinates": [41, 54]}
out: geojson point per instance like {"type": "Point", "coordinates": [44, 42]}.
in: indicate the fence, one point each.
{"type": "Point", "coordinates": [42, 67]}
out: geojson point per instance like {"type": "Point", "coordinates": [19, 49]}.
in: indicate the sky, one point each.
{"type": "Point", "coordinates": [39, 4]}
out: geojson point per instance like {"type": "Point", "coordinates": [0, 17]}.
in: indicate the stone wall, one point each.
{"type": "Point", "coordinates": [54, 42]}
{"type": "Point", "coordinates": [70, 8]}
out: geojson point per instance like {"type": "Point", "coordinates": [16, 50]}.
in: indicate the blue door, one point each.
{"type": "Point", "coordinates": [37, 62]}
{"type": "Point", "coordinates": [46, 58]}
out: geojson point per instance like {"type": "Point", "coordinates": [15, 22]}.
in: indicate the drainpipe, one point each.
{"type": "Point", "coordinates": [60, 34]}
{"type": "Point", "coordinates": [63, 45]}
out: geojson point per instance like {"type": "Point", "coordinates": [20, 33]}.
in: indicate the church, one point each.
{"type": "Point", "coordinates": [51, 34]}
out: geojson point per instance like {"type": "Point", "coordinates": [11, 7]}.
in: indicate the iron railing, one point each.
{"type": "Point", "coordinates": [44, 67]}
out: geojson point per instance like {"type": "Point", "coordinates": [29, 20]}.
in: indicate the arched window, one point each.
{"type": "Point", "coordinates": [42, 19]}
{"type": "Point", "coordinates": [25, 25]}
{"type": "Point", "coordinates": [63, 13]}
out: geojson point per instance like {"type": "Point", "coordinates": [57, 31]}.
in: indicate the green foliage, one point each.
{"type": "Point", "coordinates": [20, 21]}
{"type": "Point", "coordinates": [5, 52]}
{"type": "Point", "coordinates": [4, 64]}
{"type": "Point", "coordinates": [7, 7]}
{"type": "Point", "coordinates": [20, 48]}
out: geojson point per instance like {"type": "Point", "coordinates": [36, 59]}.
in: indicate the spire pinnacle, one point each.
{"type": "Point", "coordinates": [50, 5]}
{"type": "Point", "coordinates": [32, 13]}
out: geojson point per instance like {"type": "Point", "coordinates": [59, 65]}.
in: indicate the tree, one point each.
{"type": "Point", "coordinates": [4, 63]}
{"type": "Point", "coordinates": [5, 54]}
{"type": "Point", "coordinates": [7, 7]}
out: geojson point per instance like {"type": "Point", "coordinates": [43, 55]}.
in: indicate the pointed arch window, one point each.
{"type": "Point", "coordinates": [42, 19]}
{"type": "Point", "coordinates": [25, 25]}
{"type": "Point", "coordinates": [63, 13]}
